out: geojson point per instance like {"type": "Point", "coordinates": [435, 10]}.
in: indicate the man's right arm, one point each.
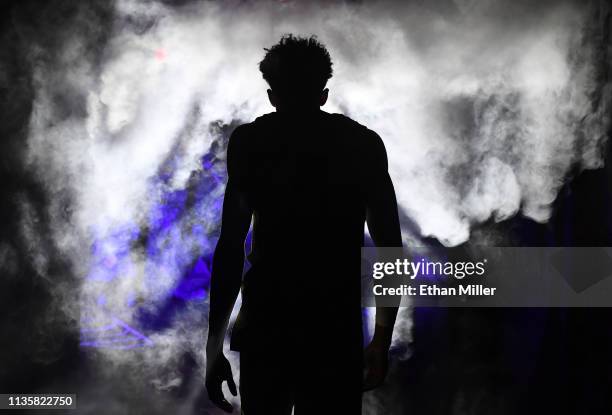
{"type": "Point", "coordinates": [383, 223]}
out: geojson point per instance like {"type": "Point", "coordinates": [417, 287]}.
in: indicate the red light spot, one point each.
{"type": "Point", "coordinates": [160, 54]}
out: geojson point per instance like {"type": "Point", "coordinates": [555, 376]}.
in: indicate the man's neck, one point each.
{"type": "Point", "coordinates": [301, 112]}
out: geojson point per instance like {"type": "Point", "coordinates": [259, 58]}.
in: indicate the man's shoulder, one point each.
{"type": "Point", "coordinates": [251, 128]}
{"type": "Point", "coordinates": [356, 130]}
{"type": "Point", "coordinates": [261, 122]}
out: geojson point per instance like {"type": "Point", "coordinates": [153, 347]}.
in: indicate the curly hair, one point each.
{"type": "Point", "coordinates": [296, 66]}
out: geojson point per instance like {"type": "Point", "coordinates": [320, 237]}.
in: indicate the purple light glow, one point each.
{"type": "Point", "coordinates": [116, 335]}
{"type": "Point", "coordinates": [195, 284]}
{"type": "Point", "coordinates": [177, 242]}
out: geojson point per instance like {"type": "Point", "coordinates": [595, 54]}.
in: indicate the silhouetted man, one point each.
{"type": "Point", "coordinates": [309, 180]}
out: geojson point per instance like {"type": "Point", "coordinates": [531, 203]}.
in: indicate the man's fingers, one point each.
{"type": "Point", "coordinates": [221, 402]}
{"type": "Point", "coordinates": [374, 375]}
{"type": "Point", "coordinates": [372, 382]}
{"type": "Point", "coordinates": [216, 396]}
{"type": "Point", "coordinates": [368, 383]}
{"type": "Point", "coordinates": [225, 405]}
{"type": "Point", "coordinates": [231, 385]}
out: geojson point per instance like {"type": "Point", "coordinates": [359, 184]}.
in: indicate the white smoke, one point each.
{"type": "Point", "coordinates": [476, 123]}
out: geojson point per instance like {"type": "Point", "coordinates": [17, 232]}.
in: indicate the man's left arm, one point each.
{"type": "Point", "coordinates": [384, 226]}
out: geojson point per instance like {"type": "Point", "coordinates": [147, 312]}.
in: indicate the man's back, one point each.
{"type": "Point", "coordinates": [306, 179]}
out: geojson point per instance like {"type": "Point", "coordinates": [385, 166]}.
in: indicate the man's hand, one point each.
{"type": "Point", "coordinates": [220, 371]}
{"type": "Point", "coordinates": [376, 363]}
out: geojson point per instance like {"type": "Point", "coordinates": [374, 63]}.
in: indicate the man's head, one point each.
{"type": "Point", "coordinates": [297, 69]}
